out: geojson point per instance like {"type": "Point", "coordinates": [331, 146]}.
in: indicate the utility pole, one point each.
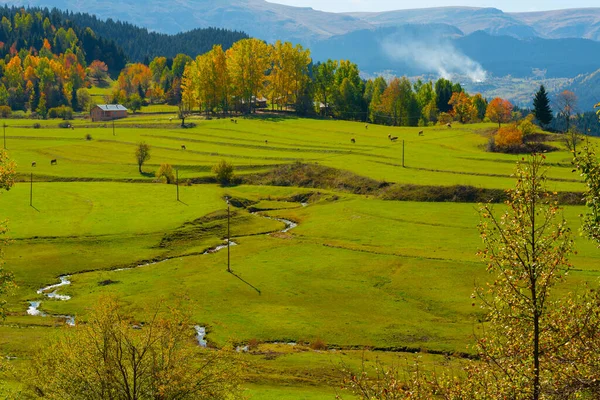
{"type": "Point", "coordinates": [4, 127]}
{"type": "Point", "coordinates": [31, 191]}
{"type": "Point", "coordinates": [403, 154]}
{"type": "Point", "coordinates": [228, 238]}
{"type": "Point", "coordinates": [177, 182]}
{"type": "Point", "coordinates": [113, 121]}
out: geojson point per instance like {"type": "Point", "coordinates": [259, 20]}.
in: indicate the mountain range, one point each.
{"type": "Point", "coordinates": [271, 21]}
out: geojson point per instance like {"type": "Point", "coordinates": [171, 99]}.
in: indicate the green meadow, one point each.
{"type": "Point", "coordinates": [372, 279]}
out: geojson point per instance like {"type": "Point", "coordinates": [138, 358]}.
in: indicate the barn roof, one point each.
{"type": "Point", "coordinates": [111, 107]}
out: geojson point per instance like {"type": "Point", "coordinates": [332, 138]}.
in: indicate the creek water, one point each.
{"type": "Point", "coordinates": [50, 291]}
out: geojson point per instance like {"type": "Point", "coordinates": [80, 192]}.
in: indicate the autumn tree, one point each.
{"type": "Point", "coordinates": [134, 79]}
{"type": "Point", "coordinates": [114, 356]}
{"type": "Point", "coordinates": [462, 107]}
{"type": "Point", "coordinates": [142, 154]}
{"type": "Point", "coordinates": [533, 345]}
{"type": "Point", "coordinates": [98, 70]}
{"type": "Point", "coordinates": [566, 102]}
{"type": "Point", "coordinates": [248, 61]}
{"type": "Point", "coordinates": [508, 137]}
{"type": "Point", "coordinates": [541, 107]}
{"type": "Point", "coordinates": [499, 111]}
{"type": "Point", "coordinates": [399, 102]}
{"type": "Point", "coordinates": [166, 171]}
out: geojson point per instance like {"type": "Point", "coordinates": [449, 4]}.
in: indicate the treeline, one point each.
{"type": "Point", "coordinates": [252, 73]}
{"type": "Point", "coordinates": [43, 68]}
{"type": "Point", "coordinates": [23, 32]}
{"type": "Point", "coordinates": [158, 82]}
{"type": "Point", "coordinates": [142, 46]}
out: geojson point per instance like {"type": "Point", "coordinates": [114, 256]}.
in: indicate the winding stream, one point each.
{"type": "Point", "coordinates": [50, 291]}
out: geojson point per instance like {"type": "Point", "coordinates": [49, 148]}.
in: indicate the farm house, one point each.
{"type": "Point", "coordinates": [108, 112]}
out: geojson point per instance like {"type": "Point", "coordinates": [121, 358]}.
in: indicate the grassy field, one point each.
{"type": "Point", "coordinates": [357, 272]}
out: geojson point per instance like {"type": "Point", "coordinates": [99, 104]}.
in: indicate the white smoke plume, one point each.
{"type": "Point", "coordinates": [441, 58]}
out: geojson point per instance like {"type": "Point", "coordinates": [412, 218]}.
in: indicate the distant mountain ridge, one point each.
{"type": "Point", "coordinates": [271, 21]}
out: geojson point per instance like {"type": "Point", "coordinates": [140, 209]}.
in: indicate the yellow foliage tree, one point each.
{"type": "Point", "coordinates": [248, 61]}
{"type": "Point", "coordinates": [113, 356]}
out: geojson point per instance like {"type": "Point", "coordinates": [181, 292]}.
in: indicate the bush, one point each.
{"type": "Point", "coordinates": [509, 136]}
{"type": "Point", "coordinates": [166, 171]}
{"type": "Point", "coordinates": [445, 118]}
{"type": "Point", "coordinates": [318, 344]}
{"type": "Point", "coordinates": [223, 172]}
{"type": "Point", "coordinates": [526, 126]}
{"type": "Point", "coordinates": [5, 111]}
{"type": "Point", "coordinates": [61, 112]}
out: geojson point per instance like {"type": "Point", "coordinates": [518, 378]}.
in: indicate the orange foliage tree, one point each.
{"type": "Point", "coordinates": [509, 136]}
{"type": "Point", "coordinates": [499, 111]}
{"type": "Point", "coordinates": [462, 107]}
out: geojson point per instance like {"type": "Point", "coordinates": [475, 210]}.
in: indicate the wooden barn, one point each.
{"type": "Point", "coordinates": [108, 112]}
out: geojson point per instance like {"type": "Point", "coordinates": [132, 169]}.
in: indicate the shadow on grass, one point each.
{"type": "Point", "coordinates": [247, 283]}
{"type": "Point", "coordinates": [147, 174]}
{"type": "Point", "coordinates": [35, 208]}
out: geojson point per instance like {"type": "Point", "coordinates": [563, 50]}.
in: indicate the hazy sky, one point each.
{"type": "Point", "coordinates": [384, 5]}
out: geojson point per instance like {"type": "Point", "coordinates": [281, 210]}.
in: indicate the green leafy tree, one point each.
{"type": "Point", "coordinates": [443, 94]}
{"type": "Point", "coordinates": [142, 154]}
{"type": "Point", "coordinates": [541, 107]}
{"type": "Point", "coordinates": [324, 77]}
{"type": "Point", "coordinates": [224, 172]}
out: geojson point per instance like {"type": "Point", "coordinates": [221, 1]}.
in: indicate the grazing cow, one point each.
{"type": "Point", "coordinates": [449, 125]}
{"type": "Point", "coordinates": [353, 140]}
{"type": "Point", "coordinates": [34, 164]}
{"type": "Point", "coordinates": [421, 133]}
{"type": "Point", "coordinates": [171, 119]}
{"type": "Point", "coordinates": [72, 128]}
{"type": "Point", "coordinates": [367, 126]}
{"type": "Point", "coordinates": [235, 121]}
{"type": "Point", "coordinates": [183, 147]}
{"type": "Point", "coordinates": [393, 138]}
{"type": "Point", "coordinates": [53, 162]}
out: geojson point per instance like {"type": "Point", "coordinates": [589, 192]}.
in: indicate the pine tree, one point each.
{"type": "Point", "coordinates": [541, 105]}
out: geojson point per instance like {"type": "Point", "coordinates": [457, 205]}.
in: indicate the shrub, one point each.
{"type": "Point", "coordinates": [253, 344]}
{"type": "Point", "coordinates": [526, 126]}
{"type": "Point", "coordinates": [61, 112]}
{"type": "Point", "coordinates": [166, 171]}
{"type": "Point", "coordinates": [509, 136]}
{"type": "Point", "coordinates": [223, 172]}
{"type": "Point", "coordinates": [444, 118]}
{"type": "Point", "coordinates": [5, 111]}
{"type": "Point", "coordinates": [318, 344]}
